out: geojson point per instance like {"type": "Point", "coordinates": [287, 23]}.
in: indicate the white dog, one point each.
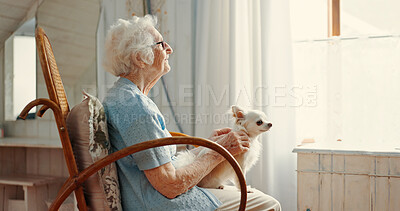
{"type": "Point", "coordinates": [253, 123]}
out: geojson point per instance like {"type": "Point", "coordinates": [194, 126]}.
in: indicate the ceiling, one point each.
{"type": "Point", "coordinates": [12, 14]}
{"type": "Point", "coordinates": [70, 25]}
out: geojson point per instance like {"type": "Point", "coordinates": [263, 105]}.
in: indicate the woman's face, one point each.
{"type": "Point", "coordinates": [161, 54]}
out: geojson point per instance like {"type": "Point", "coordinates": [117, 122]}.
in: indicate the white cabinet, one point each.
{"type": "Point", "coordinates": [347, 180]}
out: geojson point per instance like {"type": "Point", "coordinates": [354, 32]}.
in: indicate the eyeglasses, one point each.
{"type": "Point", "coordinates": [163, 44]}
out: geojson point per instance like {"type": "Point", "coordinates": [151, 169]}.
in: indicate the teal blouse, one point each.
{"type": "Point", "coordinates": [132, 118]}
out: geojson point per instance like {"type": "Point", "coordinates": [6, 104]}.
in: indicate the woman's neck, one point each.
{"type": "Point", "coordinates": [142, 81]}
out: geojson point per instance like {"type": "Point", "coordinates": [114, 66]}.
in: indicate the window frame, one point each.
{"type": "Point", "coordinates": [333, 18]}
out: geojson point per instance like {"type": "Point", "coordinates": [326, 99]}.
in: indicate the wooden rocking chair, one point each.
{"type": "Point", "coordinates": [58, 103]}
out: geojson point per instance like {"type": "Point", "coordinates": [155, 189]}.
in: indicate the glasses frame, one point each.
{"type": "Point", "coordinates": [163, 44]}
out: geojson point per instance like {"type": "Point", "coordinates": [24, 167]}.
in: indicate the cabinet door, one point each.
{"type": "Point", "coordinates": [307, 191]}
{"type": "Point", "coordinates": [357, 192]}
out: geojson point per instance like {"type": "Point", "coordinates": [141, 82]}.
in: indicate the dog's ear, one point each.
{"type": "Point", "coordinates": [238, 112]}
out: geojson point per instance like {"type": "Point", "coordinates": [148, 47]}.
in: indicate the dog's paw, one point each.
{"type": "Point", "coordinates": [221, 187]}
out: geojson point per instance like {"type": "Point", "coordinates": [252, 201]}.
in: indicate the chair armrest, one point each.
{"type": "Point", "coordinates": [73, 183]}
{"type": "Point", "coordinates": [173, 134]}
{"type": "Point", "coordinates": [42, 110]}
{"type": "Point", "coordinates": [41, 101]}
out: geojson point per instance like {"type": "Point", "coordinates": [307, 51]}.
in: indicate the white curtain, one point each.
{"type": "Point", "coordinates": [357, 88]}
{"type": "Point", "coordinates": [243, 57]}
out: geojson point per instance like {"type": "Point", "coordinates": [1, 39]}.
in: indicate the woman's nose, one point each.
{"type": "Point", "coordinates": [168, 48]}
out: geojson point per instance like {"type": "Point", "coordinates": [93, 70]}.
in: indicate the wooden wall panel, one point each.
{"type": "Point", "coordinates": [10, 192]}
{"type": "Point", "coordinates": [20, 160]}
{"type": "Point", "coordinates": [12, 160]}
{"type": "Point", "coordinates": [357, 164]}
{"type": "Point", "coordinates": [53, 190]}
{"type": "Point", "coordinates": [394, 163]}
{"type": "Point", "coordinates": [2, 198]}
{"type": "Point", "coordinates": [32, 161]}
{"type": "Point", "coordinates": [57, 163]}
{"type": "Point", "coordinates": [325, 202]}
{"type": "Point", "coordinates": [338, 192]}
{"type": "Point", "coordinates": [42, 194]}
{"type": "Point", "coordinates": [338, 163]}
{"type": "Point", "coordinates": [308, 191]}
{"type": "Point", "coordinates": [7, 160]}
{"type": "Point", "coordinates": [382, 165]}
{"type": "Point", "coordinates": [307, 162]}
{"type": "Point", "coordinates": [381, 193]}
{"type": "Point", "coordinates": [372, 191]}
{"type": "Point", "coordinates": [325, 163]}
{"type": "Point", "coordinates": [42, 161]}
{"type": "Point", "coordinates": [30, 201]}
{"type": "Point", "coordinates": [394, 193]}
{"type": "Point", "coordinates": [357, 192]}
{"type": "Point", "coordinates": [65, 169]}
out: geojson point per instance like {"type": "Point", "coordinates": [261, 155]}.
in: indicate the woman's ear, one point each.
{"type": "Point", "coordinates": [137, 60]}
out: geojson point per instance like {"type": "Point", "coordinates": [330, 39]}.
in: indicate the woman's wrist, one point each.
{"type": "Point", "coordinates": [215, 156]}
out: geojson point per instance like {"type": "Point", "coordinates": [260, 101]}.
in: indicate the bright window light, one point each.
{"type": "Point", "coordinates": [23, 74]}
{"type": "Point", "coordinates": [309, 19]}
{"type": "Point", "coordinates": [372, 17]}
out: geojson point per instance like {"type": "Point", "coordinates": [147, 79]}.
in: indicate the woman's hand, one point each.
{"type": "Point", "coordinates": [219, 132]}
{"type": "Point", "coordinates": [234, 142]}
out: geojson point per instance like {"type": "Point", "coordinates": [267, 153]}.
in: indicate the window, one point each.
{"type": "Point", "coordinates": [355, 74]}
{"type": "Point", "coordinates": [20, 70]}
{"type": "Point", "coordinates": [373, 18]}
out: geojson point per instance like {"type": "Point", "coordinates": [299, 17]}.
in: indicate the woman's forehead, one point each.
{"type": "Point", "coordinates": [155, 33]}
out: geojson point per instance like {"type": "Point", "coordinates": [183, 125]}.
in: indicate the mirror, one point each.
{"type": "Point", "coordinates": [71, 27]}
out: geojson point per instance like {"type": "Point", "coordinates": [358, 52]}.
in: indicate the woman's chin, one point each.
{"type": "Point", "coordinates": [167, 68]}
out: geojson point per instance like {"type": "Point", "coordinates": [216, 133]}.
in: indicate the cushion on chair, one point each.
{"type": "Point", "coordinates": [87, 128]}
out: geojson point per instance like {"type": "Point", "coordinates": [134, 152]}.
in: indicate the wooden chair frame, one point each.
{"type": "Point", "coordinates": [58, 103]}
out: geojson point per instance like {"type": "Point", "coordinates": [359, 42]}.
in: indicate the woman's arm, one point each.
{"type": "Point", "coordinates": [172, 182]}
{"type": "Point", "coordinates": [214, 137]}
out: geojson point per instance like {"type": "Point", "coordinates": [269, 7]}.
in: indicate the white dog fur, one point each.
{"type": "Point", "coordinates": [252, 122]}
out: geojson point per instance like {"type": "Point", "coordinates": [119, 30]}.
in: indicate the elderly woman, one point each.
{"type": "Point", "coordinates": [137, 53]}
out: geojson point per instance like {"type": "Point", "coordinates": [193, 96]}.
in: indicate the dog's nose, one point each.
{"type": "Point", "coordinates": [269, 124]}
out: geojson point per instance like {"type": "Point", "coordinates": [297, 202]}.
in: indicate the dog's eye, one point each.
{"type": "Point", "coordinates": [259, 122]}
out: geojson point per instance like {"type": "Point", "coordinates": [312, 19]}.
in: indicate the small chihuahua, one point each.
{"type": "Point", "coordinates": [253, 123]}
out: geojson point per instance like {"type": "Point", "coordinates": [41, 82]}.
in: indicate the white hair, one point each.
{"type": "Point", "coordinates": [128, 38]}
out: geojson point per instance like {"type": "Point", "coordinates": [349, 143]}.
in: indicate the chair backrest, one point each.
{"type": "Point", "coordinates": [54, 84]}
{"type": "Point", "coordinates": [57, 95]}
